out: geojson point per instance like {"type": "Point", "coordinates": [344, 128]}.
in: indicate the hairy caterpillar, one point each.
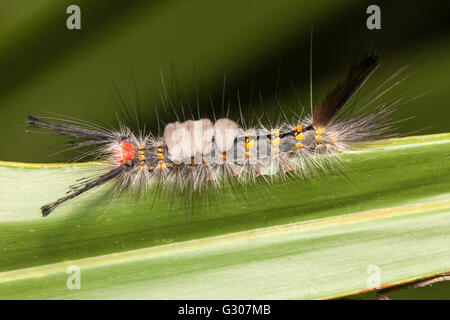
{"type": "Point", "coordinates": [194, 154]}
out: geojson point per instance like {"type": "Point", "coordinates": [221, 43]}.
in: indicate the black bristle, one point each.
{"type": "Point", "coordinates": [67, 130]}
{"type": "Point", "coordinates": [336, 99]}
{"type": "Point", "coordinates": [47, 209]}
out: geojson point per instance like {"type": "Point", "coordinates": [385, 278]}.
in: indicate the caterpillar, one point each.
{"type": "Point", "coordinates": [200, 153]}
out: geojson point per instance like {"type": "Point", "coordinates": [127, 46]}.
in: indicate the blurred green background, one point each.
{"type": "Point", "coordinates": [261, 46]}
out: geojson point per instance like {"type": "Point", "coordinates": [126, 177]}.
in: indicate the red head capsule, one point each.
{"type": "Point", "coordinates": [124, 153]}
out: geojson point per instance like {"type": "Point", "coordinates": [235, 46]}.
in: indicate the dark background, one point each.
{"type": "Point", "coordinates": [262, 47]}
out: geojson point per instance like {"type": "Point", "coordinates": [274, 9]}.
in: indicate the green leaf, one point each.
{"type": "Point", "coordinates": [387, 210]}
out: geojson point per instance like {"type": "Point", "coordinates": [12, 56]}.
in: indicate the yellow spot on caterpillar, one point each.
{"type": "Point", "coordinates": [249, 143]}
{"type": "Point", "coordinates": [159, 151]}
{"type": "Point", "coordinates": [161, 164]}
{"type": "Point", "coordinates": [276, 141]}
{"type": "Point", "coordinates": [160, 154]}
{"type": "Point", "coordinates": [141, 153]}
{"type": "Point", "coordinates": [299, 145]}
{"type": "Point", "coordinates": [298, 128]}
{"type": "Point", "coordinates": [247, 154]}
{"type": "Point", "coordinates": [318, 138]}
{"type": "Point", "coordinates": [299, 136]}
{"type": "Point", "coordinates": [223, 157]}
